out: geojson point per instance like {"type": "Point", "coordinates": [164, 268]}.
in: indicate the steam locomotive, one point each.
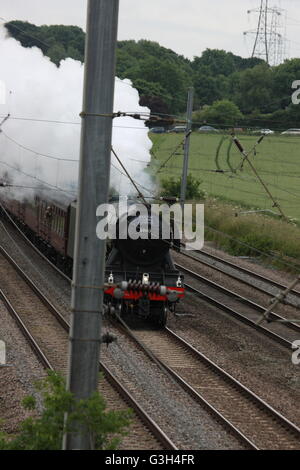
{"type": "Point", "coordinates": [140, 276]}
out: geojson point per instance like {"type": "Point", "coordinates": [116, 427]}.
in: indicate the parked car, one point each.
{"type": "Point", "coordinates": [207, 129]}
{"type": "Point", "coordinates": [157, 130]}
{"type": "Point", "coordinates": [178, 129]}
{"type": "Point", "coordinates": [291, 132]}
{"type": "Point", "coordinates": [264, 131]}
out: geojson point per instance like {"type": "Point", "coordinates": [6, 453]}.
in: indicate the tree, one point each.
{"type": "Point", "coordinates": [253, 90]}
{"type": "Point", "coordinates": [223, 112]}
{"type": "Point", "coordinates": [45, 432]}
{"type": "Point", "coordinates": [56, 41]}
{"type": "Point", "coordinates": [208, 88]}
{"type": "Point", "coordinates": [219, 62]}
{"type": "Point", "coordinates": [163, 77]}
{"type": "Point", "coordinates": [151, 92]}
{"type": "Point", "coordinates": [57, 53]}
{"type": "Point", "coordinates": [224, 63]}
{"type": "Point", "coordinates": [284, 76]}
{"type": "Point", "coordinates": [170, 78]}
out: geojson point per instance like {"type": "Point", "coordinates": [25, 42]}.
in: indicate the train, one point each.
{"type": "Point", "coordinates": [140, 277]}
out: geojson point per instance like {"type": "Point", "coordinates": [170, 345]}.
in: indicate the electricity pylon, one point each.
{"type": "Point", "coordinates": [269, 36]}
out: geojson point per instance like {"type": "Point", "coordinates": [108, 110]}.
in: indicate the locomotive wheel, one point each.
{"type": "Point", "coordinates": [159, 316]}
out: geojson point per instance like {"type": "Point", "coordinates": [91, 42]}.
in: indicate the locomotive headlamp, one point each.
{"type": "Point", "coordinates": [172, 296]}
{"type": "Point", "coordinates": [118, 293]}
{"type": "Point", "coordinates": [163, 290]}
{"type": "Point", "coordinates": [124, 285]}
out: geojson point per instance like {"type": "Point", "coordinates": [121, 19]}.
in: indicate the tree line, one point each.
{"type": "Point", "coordinates": [229, 90]}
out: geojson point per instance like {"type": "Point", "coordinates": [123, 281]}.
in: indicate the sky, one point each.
{"type": "Point", "coordinates": [186, 27]}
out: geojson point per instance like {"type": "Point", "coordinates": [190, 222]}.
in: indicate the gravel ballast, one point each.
{"type": "Point", "coordinates": [250, 357]}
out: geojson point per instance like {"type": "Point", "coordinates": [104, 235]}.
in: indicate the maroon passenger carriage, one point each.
{"type": "Point", "coordinates": [46, 223]}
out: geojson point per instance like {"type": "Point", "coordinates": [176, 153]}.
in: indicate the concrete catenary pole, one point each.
{"type": "Point", "coordinates": [187, 146]}
{"type": "Point", "coordinates": [94, 175]}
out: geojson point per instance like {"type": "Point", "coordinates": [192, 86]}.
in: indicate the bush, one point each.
{"type": "Point", "coordinates": [45, 432]}
{"type": "Point", "coordinates": [172, 188]}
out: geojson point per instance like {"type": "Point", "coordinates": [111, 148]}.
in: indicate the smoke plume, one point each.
{"type": "Point", "coordinates": [37, 91]}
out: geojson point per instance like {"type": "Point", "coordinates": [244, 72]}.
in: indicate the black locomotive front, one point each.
{"type": "Point", "coordinates": [141, 273]}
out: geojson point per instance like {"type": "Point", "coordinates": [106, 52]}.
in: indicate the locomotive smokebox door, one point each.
{"type": "Point", "coordinates": [144, 308]}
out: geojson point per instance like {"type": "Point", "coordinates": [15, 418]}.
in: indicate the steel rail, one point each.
{"type": "Point", "coordinates": [252, 445]}
{"type": "Point", "coordinates": [283, 420]}
{"type": "Point", "coordinates": [244, 317]}
{"type": "Point", "coordinates": [153, 428]}
{"type": "Point", "coordinates": [274, 316]}
{"type": "Point", "coordinates": [245, 391]}
{"type": "Point", "coordinates": [189, 389]}
{"type": "Point", "coordinates": [26, 333]}
{"type": "Point", "coordinates": [240, 269]}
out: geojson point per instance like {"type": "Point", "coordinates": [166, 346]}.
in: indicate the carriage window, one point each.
{"type": "Point", "coordinates": [63, 226]}
{"type": "Point", "coordinates": [54, 219]}
{"type": "Point", "coordinates": [61, 221]}
{"type": "Point", "coordinates": [58, 221]}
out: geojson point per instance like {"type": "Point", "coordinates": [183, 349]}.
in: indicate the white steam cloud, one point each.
{"type": "Point", "coordinates": [35, 89]}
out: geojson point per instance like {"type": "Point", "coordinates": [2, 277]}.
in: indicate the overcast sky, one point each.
{"type": "Point", "coordinates": [188, 27]}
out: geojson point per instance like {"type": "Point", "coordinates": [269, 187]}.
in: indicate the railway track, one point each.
{"type": "Point", "coordinates": [251, 419]}
{"type": "Point", "coordinates": [209, 395]}
{"type": "Point", "coordinates": [249, 277]}
{"type": "Point", "coordinates": [47, 333]}
{"type": "Point", "coordinates": [281, 331]}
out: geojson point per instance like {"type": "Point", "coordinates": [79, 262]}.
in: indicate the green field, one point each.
{"type": "Point", "coordinates": [277, 161]}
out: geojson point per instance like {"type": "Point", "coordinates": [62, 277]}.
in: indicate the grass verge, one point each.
{"type": "Point", "coordinates": [253, 235]}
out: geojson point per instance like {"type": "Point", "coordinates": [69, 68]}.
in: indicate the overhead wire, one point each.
{"type": "Point", "coordinates": [164, 169]}
{"type": "Point", "coordinates": [178, 118]}
{"type": "Point", "coordinates": [35, 152]}
{"type": "Point", "coordinates": [155, 196]}
{"type": "Point", "coordinates": [170, 156]}
{"type": "Point", "coordinates": [75, 123]}
{"type": "Point", "coordinates": [171, 118]}
{"type": "Point", "coordinates": [274, 257]}
{"type": "Point", "coordinates": [50, 186]}
{"type": "Point", "coordinates": [24, 32]}
{"type": "Point", "coordinates": [128, 175]}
